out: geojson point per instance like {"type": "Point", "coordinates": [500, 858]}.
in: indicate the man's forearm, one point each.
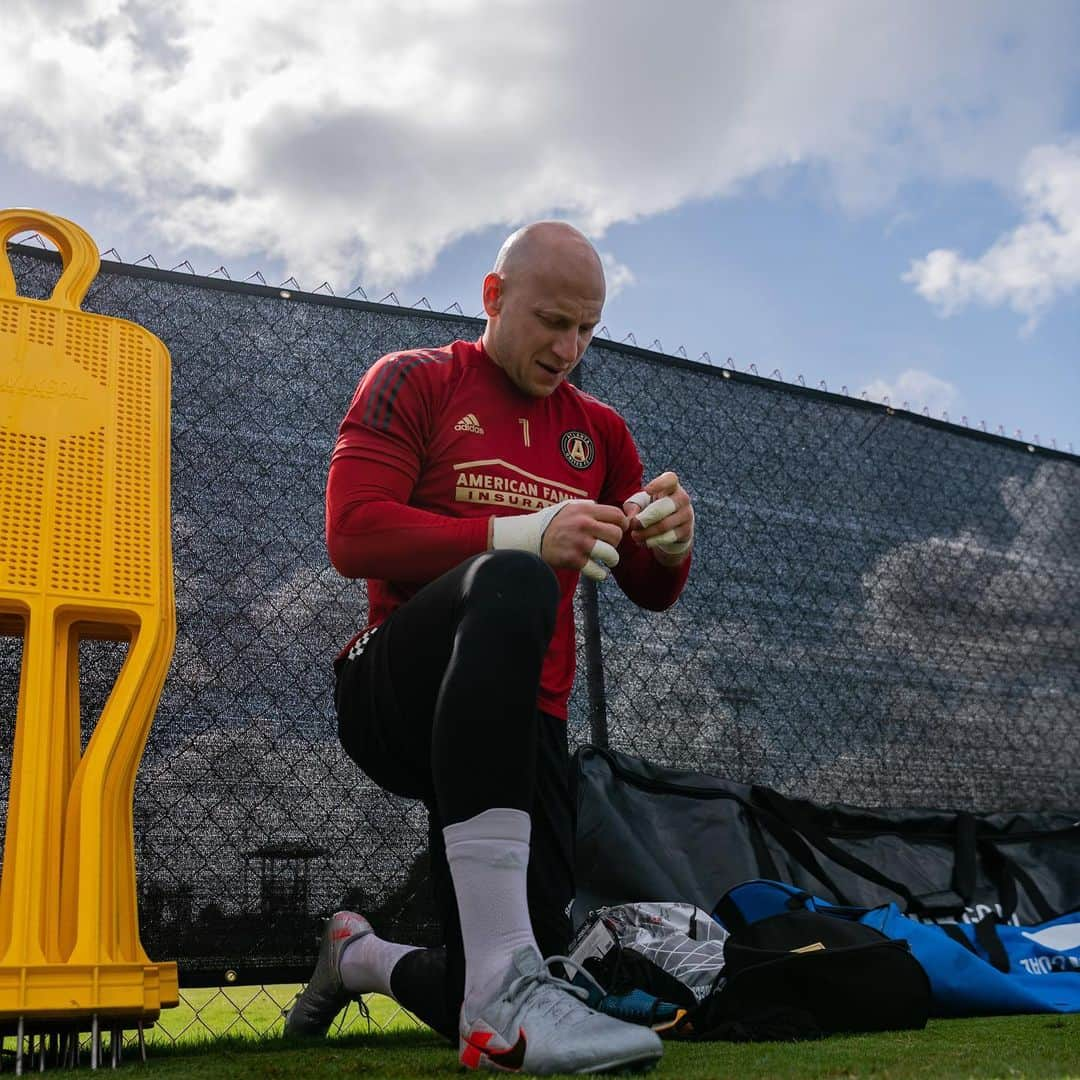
{"type": "Point", "coordinates": [396, 542]}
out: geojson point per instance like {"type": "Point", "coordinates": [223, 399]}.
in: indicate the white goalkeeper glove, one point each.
{"type": "Point", "coordinates": [525, 532]}
{"type": "Point", "coordinates": [652, 512]}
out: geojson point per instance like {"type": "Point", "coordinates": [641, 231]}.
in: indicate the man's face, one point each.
{"type": "Point", "coordinates": [544, 318]}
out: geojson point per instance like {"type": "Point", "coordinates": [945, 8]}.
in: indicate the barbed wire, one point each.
{"type": "Point", "coordinates": [603, 333]}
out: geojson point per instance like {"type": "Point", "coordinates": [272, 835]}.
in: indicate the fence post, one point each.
{"type": "Point", "coordinates": [594, 664]}
{"type": "Point", "coordinates": [594, 653]}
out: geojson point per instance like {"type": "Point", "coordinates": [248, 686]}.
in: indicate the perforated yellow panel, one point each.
{"type": "Point", "coordinates": [9, 318]}
{"type": "Point", "coordinates": [21, 456]}
{"type": "Point", "coordinates": [84, 552]}
{"type": "Point", "coordinates": [79, 516]}
{"type": "Point", "coordinates": [133, 422]}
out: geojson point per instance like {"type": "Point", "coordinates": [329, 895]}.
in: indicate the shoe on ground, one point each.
{"type": "Point", "coordinates": [538, 1023]}
{"type": "Point", "coordinates": [325, 995]}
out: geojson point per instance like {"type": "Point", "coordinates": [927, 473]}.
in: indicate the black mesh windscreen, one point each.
{"type": "Point", "coordinates": [882, 611]}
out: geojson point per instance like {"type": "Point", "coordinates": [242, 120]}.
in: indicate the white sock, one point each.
{"type": "Point", "coordinates": [366, 964]}
{"type": "Point", "coordinates": [489, 861]}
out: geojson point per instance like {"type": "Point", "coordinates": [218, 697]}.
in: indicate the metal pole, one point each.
{"type": "Point", "coordinates": [594, 655]}
{"type": "Point", "coordinates": [594, 663]}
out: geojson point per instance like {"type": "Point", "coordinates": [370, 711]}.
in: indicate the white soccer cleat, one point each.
{"type": "Point", "coordinates": [325, 995]}
{"type": "Point", "coordinates": [538, 1023]}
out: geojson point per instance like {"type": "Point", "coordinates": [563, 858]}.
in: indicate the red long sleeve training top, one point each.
{"type": "Point", "coordinates": [438, 441]}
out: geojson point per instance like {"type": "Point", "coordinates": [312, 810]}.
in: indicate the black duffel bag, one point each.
{"type": "Point", "coordinates": [645, 832]}
{"type": "Point", "coordinates": [805, 976]}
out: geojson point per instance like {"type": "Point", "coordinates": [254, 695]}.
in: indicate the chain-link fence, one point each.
{"type": "Point", "coordinates": [883, 610]}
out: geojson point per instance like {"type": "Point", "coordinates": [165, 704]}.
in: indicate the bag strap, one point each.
{"type": "Point", "coordinates": [963, 878]}
{"type": "Point", "coordinates": [1007, 873]}
{"type": "Point", "coordinates": [786, 810]}
{"type": "Point", "coordinates": [767, 867]}
{"type": "Point", "coordinates": [797, 847]}
{"type": "Point", "coordinates": [987, 936]}
{"type": "Point", "coordinates": [1001, 872]}
{"type": "Point", "coordinates": [953, 931]}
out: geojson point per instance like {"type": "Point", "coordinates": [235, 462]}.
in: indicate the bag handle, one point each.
{"type": "Point", "coordinates": [986, 935]}
{"type": "Point", "coordinates": [793, 842]}
{"type": "Point", "coordinates": [794, 817]}
{"type": "Point", "coordinates": [1007, 874]}
{"type": "Point", "coordinates": [78, 254]}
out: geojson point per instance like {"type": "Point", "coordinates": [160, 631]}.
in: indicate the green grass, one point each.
{"type": "Point", "coordinates": [251, 1012]}
{"type": "Point", "coordinates": [206, 1037]}
{"type": "Point", "coordinates": [1012, 1046]}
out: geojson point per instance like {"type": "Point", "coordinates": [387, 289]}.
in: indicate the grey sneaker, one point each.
{"type": "Point", "coordinates": [538, 1023]}
{"type": "Point", "coordinates": [325, 995]}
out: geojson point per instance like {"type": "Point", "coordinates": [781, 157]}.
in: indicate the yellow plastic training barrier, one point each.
{"type": "Point", "coordinates": [85, 552]}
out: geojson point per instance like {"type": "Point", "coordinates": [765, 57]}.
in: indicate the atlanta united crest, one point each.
{"type": "Point", "coordinates": [578, 449]}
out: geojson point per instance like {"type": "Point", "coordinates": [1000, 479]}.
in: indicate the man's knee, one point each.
{"type": "Point", "coordinates": [514, 582]}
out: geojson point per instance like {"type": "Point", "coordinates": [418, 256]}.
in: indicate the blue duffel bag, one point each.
{"type": "Point", "coordinates": [986, 968]}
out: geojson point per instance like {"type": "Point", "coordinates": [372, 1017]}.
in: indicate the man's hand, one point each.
{"type": "Point", "coordinates": [574, 535]}
{"type": "Point", "coordinates": [662, 518]}
{"type": "Point", "coordinates": [583, 536]}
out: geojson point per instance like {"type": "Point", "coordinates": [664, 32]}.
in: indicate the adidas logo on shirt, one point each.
{"type": "Point", "coordinates": [469, 423]}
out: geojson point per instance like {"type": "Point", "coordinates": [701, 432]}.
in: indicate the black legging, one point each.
{"type": "Point", "coordinates": [441, 706]}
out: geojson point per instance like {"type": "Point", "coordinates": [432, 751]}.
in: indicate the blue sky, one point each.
{"type": "Point", "coordinates": [878, 196]}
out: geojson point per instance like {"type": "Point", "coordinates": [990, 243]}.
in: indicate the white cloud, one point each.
{"type": "Point", "coordinates": [617, 275]}
{"type": "Point", "coordinates": [914, 389]}
{"type": "Point", "coordinates": [1029, 267]}
{"type": "Point", "coordinates": [360, 140]}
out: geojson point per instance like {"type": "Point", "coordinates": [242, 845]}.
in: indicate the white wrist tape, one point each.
{"type": "Point", "coordinates": [525, 532]}
{"type": "Point", "coordinates": [667, 542]}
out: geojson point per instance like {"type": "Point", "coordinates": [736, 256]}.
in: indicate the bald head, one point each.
{"type": "Point", "coordinates": [545, 242]}
{"type": "Point", "coordinates": [543, 300]}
